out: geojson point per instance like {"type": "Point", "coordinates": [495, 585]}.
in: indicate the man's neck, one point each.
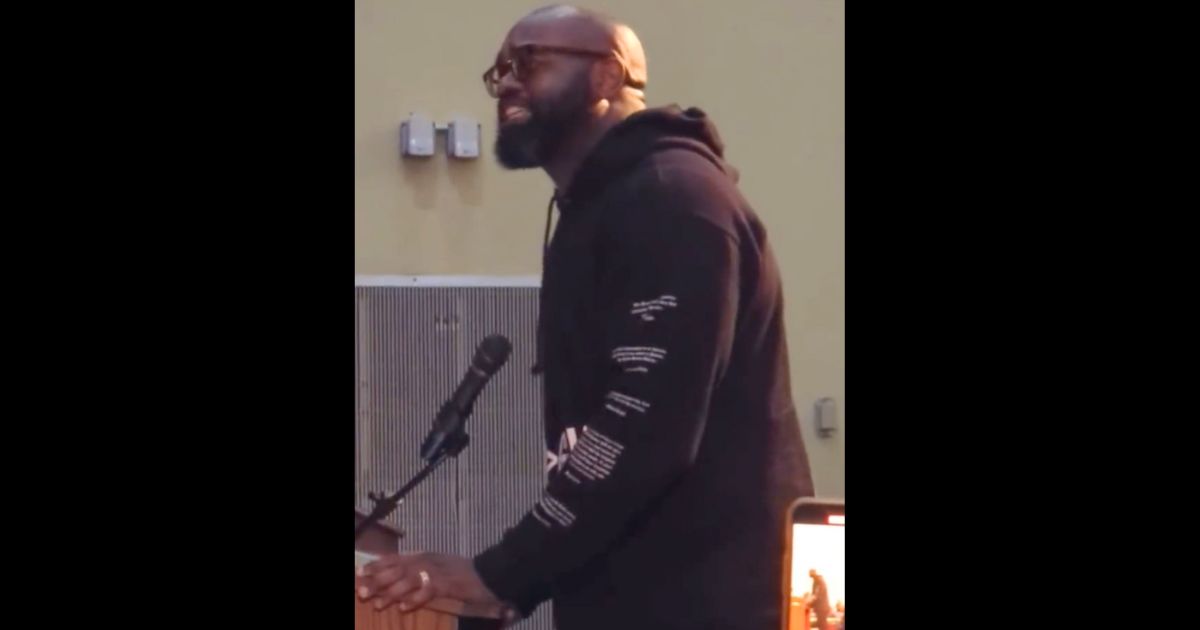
{"type": "Point", "coordinates": [577, 147]}
{"type": "Point", "coordinates": [573, 151]}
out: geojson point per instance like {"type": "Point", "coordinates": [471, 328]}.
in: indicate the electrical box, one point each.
{"type": "Point", "coordinates": [462, 138]}
{"type": "Point", "coordinates": [417, 136]}
{"type": "Point", "coordinates": [826, 417]}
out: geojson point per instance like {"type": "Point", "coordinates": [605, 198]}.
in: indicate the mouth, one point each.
{"type": "Point", "coordinates": [513, 114]}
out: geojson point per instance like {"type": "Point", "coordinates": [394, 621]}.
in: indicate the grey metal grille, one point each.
{"type": "Point", "coordinates": [412, 345]}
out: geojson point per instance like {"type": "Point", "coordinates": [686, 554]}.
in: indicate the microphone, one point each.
{"type": "Point", "coordinates": [489, 357]}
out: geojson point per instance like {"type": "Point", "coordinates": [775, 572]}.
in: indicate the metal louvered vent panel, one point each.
{"type": "Point", "coordinates": [412, 346]}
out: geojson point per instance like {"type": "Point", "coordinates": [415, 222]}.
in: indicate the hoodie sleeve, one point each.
{"type": "Point", "coordinates": [669, 333]}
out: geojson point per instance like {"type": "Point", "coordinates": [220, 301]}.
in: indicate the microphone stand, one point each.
{"type": "Point", "coordinates": [385, 505]}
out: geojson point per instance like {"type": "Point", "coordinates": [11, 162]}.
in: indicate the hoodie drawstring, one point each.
{"type": "Point", "coordinates": [539, 358]}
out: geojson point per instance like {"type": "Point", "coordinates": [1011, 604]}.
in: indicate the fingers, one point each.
{"type": "Point", "coordinates": [382, 582]}
{"type": "Point", "coordinates": [398, 592]}
{"type": "Point", "coordinates": [422, 595]}
{"type": "Point", "coordinates": [382, 575]}
{"type": "Point", "coordinates": [386, 562]}
{"type": "Point", "coordinates": [396, 580]}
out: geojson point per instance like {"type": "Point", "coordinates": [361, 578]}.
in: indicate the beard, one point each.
{"type": "Point", "coordinates": [531, 143]}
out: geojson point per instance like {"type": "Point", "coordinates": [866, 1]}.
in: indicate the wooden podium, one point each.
{"type": "Point", "coordinates": [439, 614]}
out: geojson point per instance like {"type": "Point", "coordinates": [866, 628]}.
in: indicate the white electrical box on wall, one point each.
{"type": "Point", "coordinates": [417, 136]}
{"type": "Point", "coordinates": [462, 138]}
{"type": "Point", "coordinates": [826, 417]}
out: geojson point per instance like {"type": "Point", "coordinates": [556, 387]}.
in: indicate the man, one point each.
{"type": "Point", "coordinates": [820, 595]}
{"type": "Point", "coordinates": [675, 444]}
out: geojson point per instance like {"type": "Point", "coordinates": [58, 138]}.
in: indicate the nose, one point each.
{"type": "Point", "coordinates": [507, 86]}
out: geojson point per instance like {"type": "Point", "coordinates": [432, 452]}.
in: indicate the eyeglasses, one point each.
{"type": "Point", "coordinates": [520, 65]}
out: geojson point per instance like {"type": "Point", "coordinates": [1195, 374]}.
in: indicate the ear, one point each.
{"type": "Point", "coordinates": [607, 78]}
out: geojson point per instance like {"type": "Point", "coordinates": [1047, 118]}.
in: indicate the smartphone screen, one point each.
{"type": "Point", "coordinates": [817, 559]}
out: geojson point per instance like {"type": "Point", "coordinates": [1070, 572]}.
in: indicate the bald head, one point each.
{"type": "Point", "coordinates": [572, 27]}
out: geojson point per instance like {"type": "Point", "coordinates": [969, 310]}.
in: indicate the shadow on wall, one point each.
{"type": "Point", "coordinates": [422, 176]}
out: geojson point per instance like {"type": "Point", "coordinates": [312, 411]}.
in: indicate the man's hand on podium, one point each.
{"type": "Point", "coordinates": [411, 581]}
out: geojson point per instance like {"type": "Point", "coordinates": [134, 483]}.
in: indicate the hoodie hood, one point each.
{"type": "Point", "coordinates": [641, 135]}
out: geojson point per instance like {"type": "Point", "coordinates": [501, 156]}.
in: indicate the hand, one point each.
{"type": "Point", "coordinates": [397, 579]}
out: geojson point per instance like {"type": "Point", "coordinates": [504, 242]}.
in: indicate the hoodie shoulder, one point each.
{"type": "Point", "coordinates": [681, 183]}
{"type": "Point", "coordinates": [665, 169]}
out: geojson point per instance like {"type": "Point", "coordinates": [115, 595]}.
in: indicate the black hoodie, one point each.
{"type": "Point", "coordinates": [674, 444]}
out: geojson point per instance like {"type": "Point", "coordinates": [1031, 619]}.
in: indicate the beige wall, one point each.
{"type": "Point", "coordinates": [769, 72]}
